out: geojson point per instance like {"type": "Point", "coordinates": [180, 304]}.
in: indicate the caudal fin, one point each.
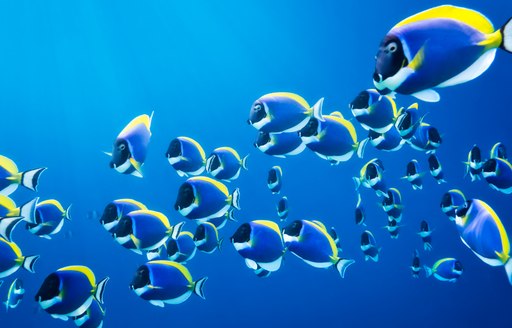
{"type": "Point", "coordinates": [7, 225]}
{"type": "Point", "coordinates": [244, 162]}
{"type": "Point", "coordinates": [198, 287]}
{"type": "Point", "coordinates": [317, 110]}
{"type": "Point", "coordinates": [361, 146]}
{"type": "Point", "coordinates": [506, 34]}
{"type": "Point", "coordinates": [235, 199]}
{"type": "Point", "coordinates": [357, 182]}
{"type": "Point", "coordinates": [100, 290]}
{"type": "Point", "coordinates": [342, 266]}
{"type": "Point", "coordinates": [508, 269]}
{"type": "Point", "coordinates": [28, 211]}
{"type": "Point", "coordinates": [67, 216]}
{"type": "Point", "coordinates": [30, 179]}
{"type": "Point", "coordinates": [29, 262]}
{"type": "Point", "coordinates": [428, 271]}
{"type": "Point", "coordinates": [176, 230]}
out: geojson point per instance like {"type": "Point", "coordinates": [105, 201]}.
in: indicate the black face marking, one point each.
{"type": "Point", "coordinates": [373, 135]}
{"type": "Point", "coordinates": [185, 196]}
{"type": "Point", "coordinates": [109, 214]}
{"type": "Point", "coordinates": [389, 200]}
{"type": "Point", "coordinates": [433, 162]}
{"type": "Point", "coordinates": [424, 226]}
{"type": "Point", "coordinates": [294, 228]}
{"type": "Point", "coordinates": [172, 247]}
{"type": "Point", "coordinates": [19, 284]}
{"type": "Point", "coordinates": [141, 278]}
{"type": "Point", "coordinates": [120, 153]}
{"type": "Point", "coordinates": [310, 129]}
{"type": "Point", "coordinates": [371, 171]}
{"type": "Point", "coordinates": [392, 223]}
{"type": "Point", "coordinates": [462, 211]}
{"type": "Point", "coordinates": [200, 233]}
{"type": "Point", "coordinates": [257, 112]}
{"type": "Point", "coordinates": [490, 165]}
{"type": "Point", "coordinates": [359, 215]}
{"type": "Point", "coordinates": [215, 163]}
{"type": "Point", "coordinates": [411, 168]}
{"type": "Point", "coordinates": [365, 239]}
{"type": "Point", "coordinates": [416, 262]}
{"type": "Point", "coordinates": [390, 58]}
{"type": "Point", "coordinates": [434, 136]}
{"type": "Point", "coordinates": [174, 149]}
{"type": "Point", "coordinates": [124, 227]}
{"type": "Point", "coordinates": [501, 152]}
{"type": "Point", "coordinates": [49, 289]}
{"type": "Point", "coordinates": [475, 155]}
{"type": "Point", "coordinates": [282, 205]}
{"type": "Point", "coordinates": [405, 121]}
{"type": "Point", "coordinates": [263, 139]}
{"type": "Point", "coordinates": [38, 217]}
{"type": "Point", "coordinates": [457, 266]}
{"type": "Point", "coordinates": [272, 176]}
{"type": "Point", "coordinates": [242, 234]}
{"type": "Point", "coordinates": [361, 101]}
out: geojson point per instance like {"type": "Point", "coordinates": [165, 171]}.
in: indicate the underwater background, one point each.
{"type": "Point", "coordinates": [73, 74]}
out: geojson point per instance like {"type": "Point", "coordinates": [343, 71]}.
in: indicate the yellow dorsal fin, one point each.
{"type": "Point", "coordinates": [83, 269]}
{"type": "Point", "coordinates": [176, 265]}
{"type": "Point", "coordinates": [290, 95]}
{"type": "Point", "coordinates": [141, 119]}
{"type": "Point", "coordinates": [7, 202]}
{"type": "Point", "coordinates": [217, 184]}
{"type": "Point", "coordinates": [467, 16]}
{"type": "Point", "coordinates": [336, 114]}
{"type": "Point", "coordinates": [270, 224]}
{"type": "Point", "coordinates": [53, 202]}
{"type": "Point", "coordinates": [8, 164]}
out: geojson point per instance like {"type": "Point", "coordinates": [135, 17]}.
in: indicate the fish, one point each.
{"type": "Point", "coordinates": [499, 151]}
{"type": "Point", "coordinates": [69, 291]}
{"type": "Point", "coordinates": [283, 208]}
{"type": "Point", "coordinates": [274, 179]}
{"type": "Point", "coordinates": [369, 246]}
{"type": "Point", "coordinates": [389, 141]}
{"type": "Point", "coordinates": [310, 241]}
{"type": "Point", "coordinates": [371, 176]}
{"type": "Point", "coordinates": [451, 201]}
{"type": "Point", "coordinates": [498, 174]}
{"type": "Point", "coordinates": [334, 138]}
{"type": "Point", "coordinates": [435, 168]}
{"type": "Point", "coordinates": [393, 228]}
{"type": "Point", "coordinates": [224, 163]}
{"type": "Point", "coordinates": [203, 198]}
{"type": "Point", "coordinates": [221, 221]}
{"type": "Point", "coordinates": [282, 112]}
{"type": "Point", "coordinates": [207, 238]}
{"type": "Point", "coordinates": [145, 230]}
{"type": "Point", "coordinates": [116, 209]}
{"type": "Point", "coordinates": [436, 48]}
{"type": "Point", "coordinates": [163, 282]}
{"type": "Point", "coordinates": [15, 294]}
{"type": "Point", "coordinates": [50, 217]}
{"type": "Point", "coordinates": [279, 145]}
{"type": "Point", "coordinates": [426, 138]}
{"type": "Point", "coordinates": [11, 215]}
{"type": "Point", "coordinates": [130, 147]}
{"type": "Point", "coordinates": [261, 244]}
{"type": "Point", "coordinates": [408, 120]}
{"type": "Point", "coordinates": [392, 204]}
{"type": "Point", "coordinates": [11, 259]}
{"type": "Point", "coordinates": [482, 231]}
{"type": "Point", "coordinates": [413, 175]}
{"type": "Point", "coordinates": [92, 317]}
{"type": "Point", "coordinates": [359, 212]}
{"type": "Point", "coordinates": [474, 163]}
{"type": "Point", "coordinates": [416, 265]}
{"type": "Point", "coordinates": [186, 156]}
{"type": "Point", "coordinates": [11, 177]}
{"type": "Point", "coordinates": [375, 112]}
{"type": "Point", "coordinates": [446, 269]}
{"type": "Point", "coordinates": [181, 249]}
{"type": "Point", "coordinates": [426, 235]}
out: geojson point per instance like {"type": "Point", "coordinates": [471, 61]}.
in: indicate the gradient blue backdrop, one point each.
{"type": "Point", "coordinates": [73, 73]}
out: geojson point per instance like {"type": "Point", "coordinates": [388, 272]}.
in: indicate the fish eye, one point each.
{"type": "Point", "coordinates": [258, 107]}
{"type": "Point", "coordinates": [121, 147]}
{"type": "Point", "coordinates": [392, 47]}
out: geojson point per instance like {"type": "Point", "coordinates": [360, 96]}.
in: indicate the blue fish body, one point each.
{"type": "Point", "coordinates": [422, 138]}
{"type": "Point", "coordinates": [92, 317]}
{"type": "Point", "coordinates": [280, 144]}
{"type": "Point", "coordinates": [148, 229]}
{"type": "Point", "coordinates": [118, 208]}
{"type": "Point", "coordinates": [274, 179]}
{"type": "Point", "coordinates": [498, 174]}
{"type": "Point", "coordinates": [11, 259]}
{"type": "Point", "coordinates": [374, 111]}
{"type": "Point", "coordinates": [15, 294]}
{"type": "Point", "coordinates": [447, 269]}
{"type": "Point", "coordinates": [50, 216]}
{"type": "Point", "coordinates": [224, 163]}
{"type": "Point", "coordinates": [186, 156]}
{"type": "Point", "coordinates": [451, 201]}
{"type": "Point", "coordinates": [388, 141]}
{"type": "Point", "coordinates": [206, 238]}
{"type": "Point", "coordinates": [184, 249]}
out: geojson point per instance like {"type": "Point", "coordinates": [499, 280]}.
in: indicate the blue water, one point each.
{"type": "Point", "coordinates": [73, 74]}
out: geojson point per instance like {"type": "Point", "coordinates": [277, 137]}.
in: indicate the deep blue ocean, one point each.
{"type": "Point", "coordinates": [74, 73]}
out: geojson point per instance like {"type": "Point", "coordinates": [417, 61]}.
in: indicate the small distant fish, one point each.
{"type": "Point", "coordinates": [435, 168]}
{"type": "Point", "coordinates": [50, 217]}
{"type": "Point", "coordinates": [92, 215]}
{"type": "Point", "coordinates": [447, 269]}
{"type": "Point", "coordinates": [274, 179]}
{"type": "Point", "coordinates": [416, 265]}
{"type": "Point", "coordinates": [451, 201]}
{"type": "Point", "coordinates": [498, 174]}
{"type": "Point", "coordinates": [482, 231]}
{"type": "Point", "coordinates": [202, 198]}
{"type": "Point", "coordinates": [374, 111]}
{"type": "Point", "coordinates": [164, 282]}
{"type": "Point", "coordinates": [116, 209]}
{"type": "Point", "coordinates": [69, 291]}
{"type": "Point", "coordinates": [186, 156]}
{"type": "Point", "coordinates": [181, 249]}
{"type": "Point", "coordinates": [11, 215]}
{"type": "Point", "coordinates": [11, 177]}
{"type": "Point", "coordinates": [499, 151]}
{"type": "Point", "coordinates": [392, 204]}
{"type": "Point", "coordinates": [92, 317]}
{"type": "Point", "coordinates": [388, 141]}
{"type": "Point", "coordinates": [130, 147]}
{"type": "Point", "coordinates": [474, 163]}
{"type": "Point", "coordinates": [393, 228]}
{"type": "Point", "coordinates": [371, 176]}
{"type": "Point", "coordinates": [279, 144]}
{"type": "Point", "coordinates": [11, 259]}
{"type": "Point", "coordinates": [426, 138]}
{"type": "Point", "coordinates": [436, 48]}
{"type": "Point", "coordinates": [359, 212]}
{"type": "Point", "coordinates": [261, 244]}
{"type": "Point", "coordinates": [15, 294]}
{"type": "Point", "coordinates": [224, 163]}
{"type": "Point", "coordinates": [413, 175]}
{"type": "Point", "coordinates": [334, 138]}
{"type": "Point", "coordinates": [207, 238]}
{"type": "Point", "coordinates": [311, 242]}
{"type": "Point", "coordinates": [408, 121]}
{"type": "Point", "coordinates": [282, 112]}
{"type": "Point", "coordinates": [369, 246]}
{"type": "Point", "coordinates": [282, 208]}
{"type": "Point", "coordinates": [426, 235]}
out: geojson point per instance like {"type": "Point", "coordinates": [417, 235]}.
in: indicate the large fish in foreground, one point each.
{"type": "Point", "coordinates": [438, 47]}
